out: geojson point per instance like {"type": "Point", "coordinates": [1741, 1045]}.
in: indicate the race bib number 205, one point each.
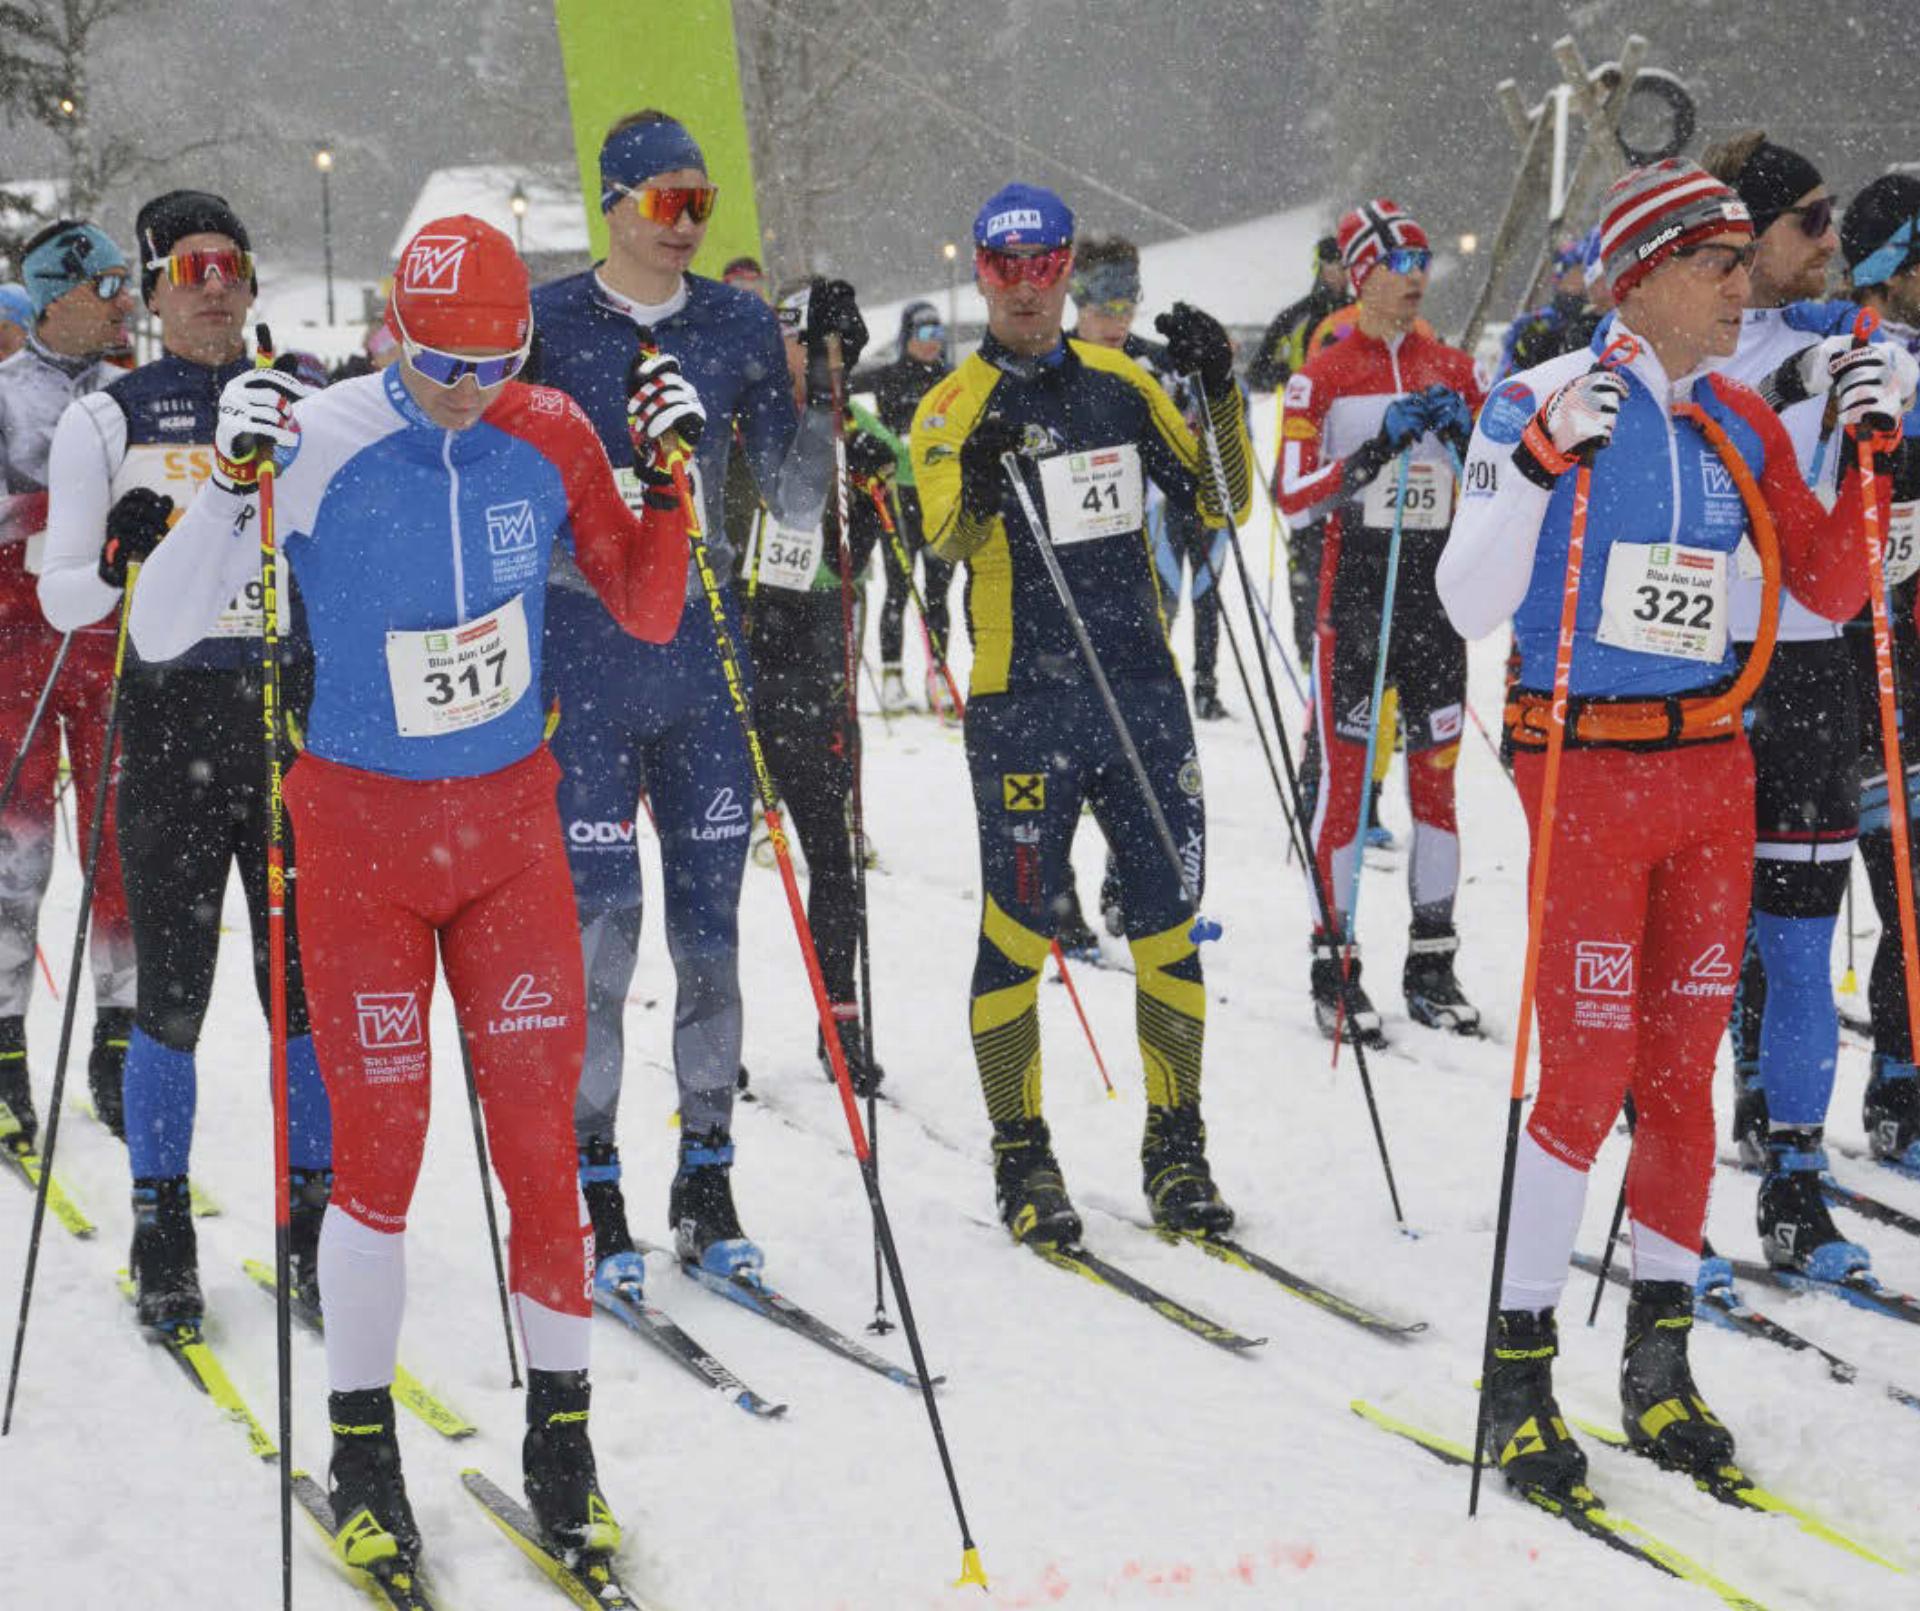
{"type": "Point", "coordinates": [456, 677]}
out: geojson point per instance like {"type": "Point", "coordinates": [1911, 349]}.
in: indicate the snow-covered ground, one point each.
{"type": "Point", "coordinates": [1106, 1458]}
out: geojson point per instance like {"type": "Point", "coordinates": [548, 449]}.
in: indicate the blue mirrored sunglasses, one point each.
{"type": "Point", "coordinates": [929, 332]}
{"type": "Point", "coordinates": [1407, 260]}
{"type": "Point", "coordinates": [447, 369]}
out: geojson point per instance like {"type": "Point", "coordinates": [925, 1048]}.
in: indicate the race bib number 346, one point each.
{"type": "Point", "coordinates": [1093, 495]}
{"type": "Point", "coordinates": [457, 677]}
{"type": "Point", "coordinates": [1665, 598]}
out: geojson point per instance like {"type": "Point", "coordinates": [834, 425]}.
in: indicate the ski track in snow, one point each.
{"type": "Point", "coordinates": [1106, 1459]}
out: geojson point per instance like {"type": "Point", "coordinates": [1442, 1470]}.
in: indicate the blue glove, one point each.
{"type": "Point", "coordinates": [1447, 412]}
{"type": "Point", "coordinates": [1404, 421]}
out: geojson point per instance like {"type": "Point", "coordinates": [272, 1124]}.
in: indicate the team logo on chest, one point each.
{"type": "Point", "coordinates": [512, 541]}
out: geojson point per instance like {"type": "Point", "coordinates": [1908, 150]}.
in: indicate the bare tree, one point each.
{"type": "Point", "coordinates": [46, 50]}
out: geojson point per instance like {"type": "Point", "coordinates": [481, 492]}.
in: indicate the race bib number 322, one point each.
{"type": "Point", "coordinates": [1665, 598]}
{"type": "Point", "coordinates": [456, 677]}
{"type": "Point", "coordinates": [1093, 495]}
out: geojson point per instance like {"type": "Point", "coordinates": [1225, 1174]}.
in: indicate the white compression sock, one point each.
{"type": "Point", "coordinates": [363, 1277]}
{"type": "Point", "coordinates": [1659, 1258]}
{"type": "Point", "coordinates": [1548, 1196]}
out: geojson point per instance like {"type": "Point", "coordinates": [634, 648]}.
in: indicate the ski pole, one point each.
{"type": "Point", "coordinates": [270, 719]}
{"type": "Point", "coordinates": [96, 845]}
{"type": "Point", "coordinates": [971, 1570]}
{"type": "Point", "coordinates": [1606, 1253]}
{"type": "Point", "coordinates": [851, 655]}
{"type": "Point", "coordinates": [1316, 881]}
{"type": "Point", "coordinates": [486, 1199]}
{"type": "Point", "coordinates": [33, 722]}
{"type": "Point", "coordinates": [1203, 928]}
{"type": "Point", "coordinates": [1620, 352]}
{"type": "Point", "coordinates": [1849, 981]}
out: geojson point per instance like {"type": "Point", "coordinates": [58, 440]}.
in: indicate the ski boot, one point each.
{"type": "Point", "coordinates": [893, 691]}
{"type": "Point", "coordinates": [1028, 1187]}
{"type": "Point", "coordinates": [164, 1261]}
{"type": "Point", "coordinates": [706, 1229]}
{"type": "Point", "coordinates": [563, 1489]}
{"type": "Point", "coordinates": [1749, 1115]}
{"type": "Point", "coordinates": [310, 1190]}
{"type": "Point", "coordinates": [1078, 942]}
{"type": "Point", "coordinates": [1343, 1010]}
{"type": "Point", "coordinates": [1379, 835]}
{"type": "Point", "coordinates": [1796, 1231]}
{"type": "Point", "coordinates": [618, 1267]}
{"type": "Point", "coordinates": [1526, 1435]}
{"type": "Point", "coordinates": [1434, 996]}
{"type": "Point", "coordinates": [864, 1072]}
{"type": "Point", "coordinates": [1891, 1112]}
{"type": "Point", "coordinates": [1661, 1408]}
{"type": "Point", "coordinates": [940, 698]}
{"type": "Point", "coordinates": [1175, 1175]}
{"type": "Point", "coordinates": [1206, 704]}
{"type": "Point", "coordinates": [16, 1091]}
{"type": "Point", "coordinates": [1112, 905]}
{"type": "Point", "coordinates": [111, 1027]}
{"type": "Point", "coordinates": [373, 1525]}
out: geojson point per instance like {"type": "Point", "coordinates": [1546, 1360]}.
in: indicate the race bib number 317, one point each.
{"type": "Point", "coordinates": [456, 677]}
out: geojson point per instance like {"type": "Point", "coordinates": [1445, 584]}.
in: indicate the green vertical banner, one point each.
{"type": "Point", "coordinates": [678, 56]}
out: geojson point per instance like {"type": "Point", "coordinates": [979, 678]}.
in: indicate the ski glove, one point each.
{"type": "Point", "coordinates": [1840, 365]}
{"type": "Point", "coordinates": [254, 418]}
{"type": "Point", "coordinates": [983, 479]}
{"type": "Point", "coordinates": [1405, 421]}
{"type": "Point", "coordinates": [868, 458]}
{"type": "Point", "coordinates": [1573, 423]}
{"type": "Point", "coordinates": [662, 402]}
{"type": "Point", "coordinates": [831, 311]}
{"type": "Point", "coordinates": [1197, 344]}
{"type": "Point", "coordinates": [135, 526]}
{"type": "Point", "coordinates": [1447, 413]}
{"type": "Point", "coordinates": [1403, 424]}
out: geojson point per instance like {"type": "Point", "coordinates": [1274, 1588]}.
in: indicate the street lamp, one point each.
{"type": "Point", "coordinates": [323, 160]}
{"type": "Point", "coordinates": [518, 202]}
{"type": "Point", "coordinates": [952, 254]}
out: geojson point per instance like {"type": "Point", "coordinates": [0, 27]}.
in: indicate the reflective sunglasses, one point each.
{"type": "Point", "coordinates": [109, 285]}
{"type": "Point", "coordinates": [1722, 260]}
{"type": "Point", "coordinates": [663, 204]}
{"type": "Point", "coordinates": [1004, 270]}
{"type": "Point", "coordinates": [449, 369]}
{"type": "Point", "coordinates": [1114, 307]}
{"type": "Point", "coordinates": [928, 332]}
{"type": "Point", "coordinates": [1816, 218]}
{"type": "Point", "coordinates": [1407, 260]}
{"type": "Point", "coordinates": [228, 263]}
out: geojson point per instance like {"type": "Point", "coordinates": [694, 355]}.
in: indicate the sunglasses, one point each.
{"type": "Point", "coordinates": [449, 369]}
{"type": "Point", "coordinates": [1816, 218]}
{"type": "Point", "coordinates": [108, 286]}
{"type": "Point", "coordinates": [1722, 260]}
{"type": "Point", "coordinates": [228, 264]}
{"type": "Point", "coordinates": [663, 204]}
{"type": "Point", "coordinates": [928, 332]}
{"type": "Point", "coordinates": [1407, 260]}
{"type": "Point", "coordinates": [1004, 270]}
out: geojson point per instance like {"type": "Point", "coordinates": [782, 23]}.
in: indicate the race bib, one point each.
{"type": "Point", "coordinates": [1665, 598]}
{"type": "Point", "coordinates": [1903, 543]}
{"type": "Point", "coordinates": [1093, 495]}
{"type": "Point", "coordinates": [1426, 505]}
{"type": "Point", "coordinates": [633, 490]}
{"type": "Point", "coordinates": [245, 614]}
{"type": "Point", "coordinates": [457, 677]}
{"type": "Point", "coordinates": [789, 557]}
{"type": "Point", "coordinates": [178, 470]}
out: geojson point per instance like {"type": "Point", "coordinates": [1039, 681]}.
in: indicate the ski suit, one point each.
{"type": "Point", "coordinates": [1038, 740]}
{"type": "Point", "coordinates": [1653, 837]}
{"type": "Point", "coordinates": [424, 803]}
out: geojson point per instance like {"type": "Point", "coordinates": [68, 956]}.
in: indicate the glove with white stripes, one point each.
{"type": "Point", "coordinates": [254, 418]}
{"type": "Point", "coordinates": [1575, 421]}
{"type": "Point", "coordinates": [662, 407]}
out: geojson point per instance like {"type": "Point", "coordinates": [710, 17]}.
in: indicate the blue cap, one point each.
{"type": "Point", "coordinates": [1020, 215]}
{"type": "Point", "coordinates": [16, 307]}
{"type": "Point", "coordinates": [631, 156]}
{"type": "Point", "coordinates": [64, 255]}
{"type": "Point", "coordinates": [1590, 253]}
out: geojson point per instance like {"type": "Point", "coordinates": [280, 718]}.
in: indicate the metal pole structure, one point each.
{"type": "Point", "coordinates": [518, 203]}
{"type": "Point", "coordinates": [323, 160]}
{"type": "Point", "coordinates": [952, 255]}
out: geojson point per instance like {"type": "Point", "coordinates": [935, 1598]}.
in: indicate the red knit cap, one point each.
{"type": "Point", "coordinates": [1373, 229]}
{"type": "Point", "coordinates": [460, 283]}
{"type": "Point", "coordinates": [1649, 214]}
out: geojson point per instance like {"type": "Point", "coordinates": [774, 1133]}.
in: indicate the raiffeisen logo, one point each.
{"type": "Point", "coordinates": [521, 1005]}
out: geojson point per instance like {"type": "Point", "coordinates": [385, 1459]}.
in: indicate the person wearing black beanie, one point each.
{"type": "Point", "coordinates": [169, 219]}
{"type": "Point", "coordinates": [1793, 216]}
{"type": "Point", "coordinates": [1880, 240]}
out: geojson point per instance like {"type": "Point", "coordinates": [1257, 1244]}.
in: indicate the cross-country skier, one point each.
{"type": "Point", "coordinates": [1283, 348]}
{"type": "Point", "coordinates": [1383, 395]}
{"type": "Point", "coordinates": [1090, 426]}
{"type": "Point", "coordinates": [418, 509]}
{"type": "Point", "coordinates": [1652, 839]}
{"type": "Point", "coordinates": [655, 716]}
{"type": "Point", "coordinates": [193, 783]}
{"type": "Point", "coordinates": [82, 295]}
{"type": "Point", "coordinates": [16, 319]}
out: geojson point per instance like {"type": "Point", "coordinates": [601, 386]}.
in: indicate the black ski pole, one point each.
{"type": "Point", "coordinates": [91, 868]}
{"type": "Point", "coordinates": [486, 1197]}
{"type": "Point", "coordinates": [1316, 882]}
{"type": "Point", "coordinates": [33, 722]}
{"type": "Point", "coordinates": [1606, 1253]}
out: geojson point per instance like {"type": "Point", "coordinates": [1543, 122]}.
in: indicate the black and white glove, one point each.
{"type": "Point", "coordinates": [983, 479]}
{"type": "Point", "coordinates": [662, 402]}
{"type": "Point", "coordinates": [254, 418]}
{"type": "Point", "coordinates": [135, 525]}
{"type": "Point", "coordinates": [1843, 366]}
{"type": "Point", "coordinates": [1574, 422]}
{"type": "Point", "coordinates": [1198, 344]}
{"type": "Point", "coordinates": [868, 458]}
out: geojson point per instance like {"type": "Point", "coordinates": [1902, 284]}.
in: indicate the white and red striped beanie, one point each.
{"type": "Point", "coordinates": [1650, 213]}
{"type": "Point", "coordinates": [1370, 231]}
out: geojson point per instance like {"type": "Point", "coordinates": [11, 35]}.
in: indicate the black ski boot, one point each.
{"type": "Point", "coordinates": [373, 1525]}
{"type": "Point", "coordinates": [1071, 932]}
{"type": "Point", "coordinates": [1175, 1174]}
{"type": "Point", "coordinates": [1347, 1011]}
{"type": "Point", "coordinates": [1113, 913]}
{"type": "Point", "coordinates": [706, 1229]}
{"type": "Point", "coordinates": [1662, 1410]}
{"type": "Point", "coordinates": [617, 1264]}
{"type": "Point", "coordinates": [105, 1063]}
{"type": "Point", "coordinates": [557, 1458]}
{"type": "Point", "coordinates": [1749, 1115]}
{"type": "Point", "coordinates": [1526, 1434]}
{"type": "Point", "coordinates": [1434, 996]}
{"type": "Point", "coordinates": [1028, 1186]}
{"type": "Point", "coordinates": [1796, 1230]}
{"type": "Point", "coordinates": [1206, 703]}
{"type": "Point", "coordinates": [165, 1260]}
{"type": "Point", "coordinates": [16, 1090]}
{"type": "Point", "coordinates": [1891, 1112]}
{"type": "Point", "coordinates": [865, 1073]}
{"type": "Point", "coordinates": [311, 1189]}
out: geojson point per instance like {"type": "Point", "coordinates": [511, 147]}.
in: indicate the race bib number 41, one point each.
{"type": "Point", "coordinates": [1093, 495]}
{"type": "Point", "coordinates": [1665, 598]}
{"type": "Point", "coordinates": [457, 677]}
{"type": "Point", "coordinates": [1426, 505]}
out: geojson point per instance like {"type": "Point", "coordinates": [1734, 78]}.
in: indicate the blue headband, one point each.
{"type": "Point", "coordinates": [1898, 250]}
{"type": "Point", "coordinates": [634, 155]}
{"type": "Point", "coordinates": [16, 307]}
{"type": "Point", "coordinates": [69, 257]}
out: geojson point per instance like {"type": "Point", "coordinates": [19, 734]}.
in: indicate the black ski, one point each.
{"type": "Point", "coordinates": [1091, 1267]}
{"type": "Point", "coordinates": [655, 1326]}
{"type": "Point", "coordinates": [398, 1590]}
{"type": "Point", "coordinates": [590, 1581]}
{"type": "Point", "coordinates": [1229, 1251]}
{"type": "Point", "coordinates": [1898, 1166]}
{"type": "Point", "coordinates": [1860, 1289]}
